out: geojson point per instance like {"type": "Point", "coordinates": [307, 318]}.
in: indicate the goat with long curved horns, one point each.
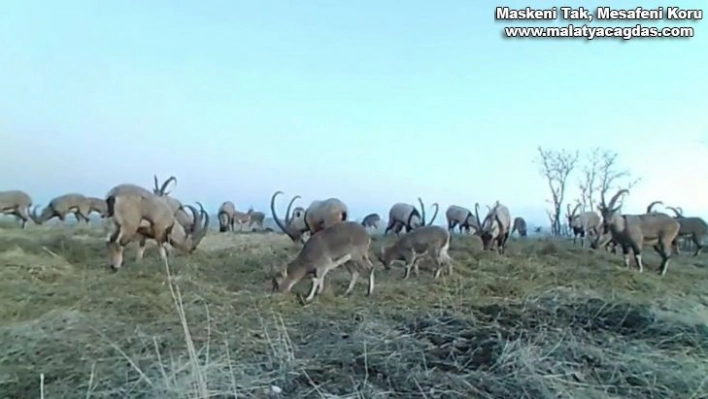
{"type": "Point", "coordinates": [138, 213]}
{"type": "Point", "coordinates": [184, 218]}
{"type": "Point", "coordinates": [317, 216]}
{"type": "Point", "coordinates": [406, 216]}
{"type": "Point", "coordinates": [583, 225]}
{"type": "Point", "coordinates": [496, 227]}
{"type": "Point", "coordinates": [692, 227]}
{"type": "Point", "coordinates": [635, 231]}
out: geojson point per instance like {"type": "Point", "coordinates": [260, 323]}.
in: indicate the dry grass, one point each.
{"type": "Point", "coordinates": [545, 321]}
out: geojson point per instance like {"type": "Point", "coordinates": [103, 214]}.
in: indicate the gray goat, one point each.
{"type": "Point", "coordinates": [635, 231]}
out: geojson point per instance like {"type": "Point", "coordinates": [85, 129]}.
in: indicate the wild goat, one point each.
{"type": "Point", "coordinates": [342, 243]}
{"type": "Point", "coordinates": [460, 217]}
{"type": "Point", "coordinates": [520, 226]}
{"type": "Point", "coordinates": [62, 206]}
{"type": "Point", "coordinates": [431, 240]}
{"type": "Point", "coordinates": [319, 215]}
{"type": "Point", "coordinates": [371, 220]}
{"type": "Point", "coordinates": [242, 219]}
{"type": "Point", "coordinates": [583, 224]}
{"type": "Point", "coordinates": [137, 213]}
{"type": "Point", "coordinates": [256, 218]}
{"type": "Point", "coordinates": [402, 216]}
{"type": "Point", "coordinates": [97, 205]}
{"type": "Point", "coordinates": [188, 223]}
{"type": "Point", "coordinates": [692, 227]}
{"type": "Point", "coordinates": [496, 227]}
{"type": "Point", "coordinates": [635, 231]}
{"type": "Point", "coordinates": [225, 214]}
{"type": "Point", "coordinates": [185, 219]}
{"type": "Point", "coordinates": [16, 203]}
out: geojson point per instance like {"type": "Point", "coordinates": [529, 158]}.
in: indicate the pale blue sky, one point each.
{"type": "Point", "coordinates": [242, 98]}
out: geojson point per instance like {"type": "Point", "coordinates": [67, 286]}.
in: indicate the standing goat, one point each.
{"type": "Point", "coordinates": [496, 227]}
{"type": "Point", "coordinates": [16, 203]}
{"type": "Point", "coordinates": [255, 218]}
{"type": "Point", "coordinates": [343, 243]}
{"type": "Point", "coordinates": [406, 216]}
{"type": "Point", "coordinates": [319, 215]}
{"type": "Point", "coordinates": [371, 220]}
{"type": "Point", "coordinates": [62, 206]}
{"type": "Point", "coordinates": [460, 217]}
{"type": "Point", "coordinates": [431, 240]}
{"type": "Point", "coordinates": [692, 227]}
{"type": "Point", "coordinates": [520, 226]}
{"type": "Point", "coordinates": [138, 213]}
{"type": "Point", "coordinates": [225, 215]}
{"type": "Point", "coordinates": [635, 231]}
{"type": "Point", "coordinates": [584, 224]}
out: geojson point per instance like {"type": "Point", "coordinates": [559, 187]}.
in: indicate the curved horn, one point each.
{"type": "Point", "coordinates": [422, 211]}
{"type": "Point", "coordinates": [575, 210]}
{"type": "Point", "coordinates": [675, 211]}
{"type": "Point", "coordinates": [476, 215]}
{"type": "Point", "coordinates": [33, 215]}
{"type": "Point", "coordinates": [614, 199]}
{"type": "Point", "coordinates": [164, 185]}
{"type": "Point", "coordinates": [196, 217]}
{"type": "Point", "coordinates": [379, 254]}
{"type": "Point", "coordinates": [680, 210]}
{"type": "Point", "coordinates": [435, 214]}
{"type": "Point", "coordinates": [652, 205]}
{"type": "Point", "coordinates": [288, 211]}
{"type": "Point", "coordinates": [283, 226]}
{"type": "Point", "coordinates": [157, 185]}
{"type": "Point", "coordinates": [203, 229]}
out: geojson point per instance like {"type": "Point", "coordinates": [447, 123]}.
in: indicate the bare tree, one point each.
{"type": "Point", "coordinates": [589, 179]}
{"type": "Point", "coordinates": [556, 166]}
{"type": "Point", "coordinates": [601, 175]}
{"type": "Point", "coordinates": [612, 177]}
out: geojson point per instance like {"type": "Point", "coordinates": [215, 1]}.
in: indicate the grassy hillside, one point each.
{"type": "Point", "coordinates": [547, 320]}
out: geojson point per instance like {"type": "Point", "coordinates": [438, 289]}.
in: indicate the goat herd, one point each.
{"type": "Point", "coordinates": [138, 213]}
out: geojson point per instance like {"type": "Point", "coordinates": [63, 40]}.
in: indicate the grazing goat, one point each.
{"type": "Point", "coordinates": [62, 206]}
{"type": "Point", "coordinates": [584, 224]}
{"type": "Point", "coordinates": [460, 217]}
{"type": "Point", "coordinates": [692, 227]}
{"type": "Point", "coordinates": [496, 227]}
{"type": "Point", "coordinates": [635, 231]}
{"type": "Point", "coordinates": [319, 215]}
{"type": "Point", "coordinates": [16, 203]}
{"type": "Point", "coordinates": [137, 213]}
{"type": "Point", "coordinates": [406, 216]}
{"type": "Point", "coordinates": [371, 220]}
{"type": "Point", "coordinates": [520, 226]}
{"type": "Point", "coordinates": [341, 243]}
{"type": "Point", "coordinates": [431, 240]}
{"type": "Point", "coordinates": [225, 215]}
{"type": "Point", "coordinates": [183, 217]}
